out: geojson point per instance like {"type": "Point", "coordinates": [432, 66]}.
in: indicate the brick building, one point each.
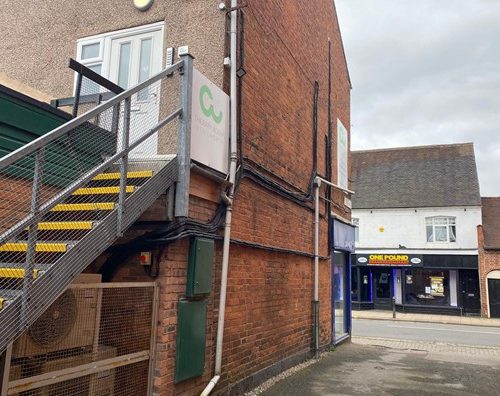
{"type": "Point", "coordinates": [489, 257]}
{"type": "Point", "coordinates": [417, 209]}
{"type": "Point", "coordinates": [293, 112]}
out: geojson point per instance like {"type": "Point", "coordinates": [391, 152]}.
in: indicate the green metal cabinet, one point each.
{"type": "Point", "coordinates": [23, 119]}
{"type": "Point", "coordinates": [201, 257]}
{"type": "Point", "coordinates": [190, 342]}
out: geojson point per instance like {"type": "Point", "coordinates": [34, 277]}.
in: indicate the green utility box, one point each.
{"type": "Point", "coordinates": [190, 352]}
{"type": "Point", "coordinates": [201, 258]}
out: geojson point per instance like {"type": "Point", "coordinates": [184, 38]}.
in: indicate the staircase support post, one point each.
{"type": "Point", "coordinates": [184, 138]}
{"type": "Point", "coordinates": [29, 264]}
{"type": "Point", "coordinates": [124, 147]}
{"type": "Point", "coordinates": [5, 359]}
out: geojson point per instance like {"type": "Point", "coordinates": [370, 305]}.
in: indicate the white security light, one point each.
{"type": "Point", "coordinates": [143, 5]}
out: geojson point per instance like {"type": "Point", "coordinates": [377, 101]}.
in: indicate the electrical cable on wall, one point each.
{"type": "Point", "coordinates": [262, 176]}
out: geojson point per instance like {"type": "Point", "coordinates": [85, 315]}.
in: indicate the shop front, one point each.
{"type": "Point", "coordinates": [343, 247]}
{"type": "Point", "coordinates": [445, 284]}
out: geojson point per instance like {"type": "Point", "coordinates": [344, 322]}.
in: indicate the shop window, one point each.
{"type": "Point", "coordinates": [427, 287]}
{"type": "Point", "coordinates": [355, 223]}
{"type": "Point", "coordinates": [339, 293]}
{"type": "Point", "coordinates": [441, 229]}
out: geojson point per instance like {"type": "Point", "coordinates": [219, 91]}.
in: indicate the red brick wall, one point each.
{"type": "Point", "coordinates": [172, 282]}
{"type": "Point", "coordinates": [269, 315]}
{"type": "Point", "coordinates": [489, 260]}
{"type": "Point", "coordinates": [270, 293]}
{"type": "Point", "coordinates": [285, 51]}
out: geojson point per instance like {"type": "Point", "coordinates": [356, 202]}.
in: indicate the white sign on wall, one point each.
{"type": "Point", "coordinates": [209, 124]}
{"type": "Point", "coordinates": [342, 152]}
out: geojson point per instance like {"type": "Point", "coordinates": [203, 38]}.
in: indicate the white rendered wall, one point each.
{"type": "Point", "coordinates": [390, 228]}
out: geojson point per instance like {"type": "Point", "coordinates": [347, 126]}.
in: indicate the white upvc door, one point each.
{"type": "Point", "coordinates": [129, 57]}
{"type": "Point", "coordinates": [134, 59]}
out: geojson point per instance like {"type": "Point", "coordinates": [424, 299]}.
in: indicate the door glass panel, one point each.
{"type": "Point", "coordinates": [383, 285]}
{"type": "Point", "coordinates": [89, 87]}
{"type": "Point", "coordinates": [145, 66]}
{"type": "Point", "coordinates": [339, 267]}
{"type": "Point", "coordinates": [124, 65]}
{"type": "Point", "coordinates": [90, 51]}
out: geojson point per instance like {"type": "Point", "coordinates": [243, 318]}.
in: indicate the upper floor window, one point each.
{"type": "Point", "coordinates": [441, 229]}
{"type": "Point", "coordinates": [355, 223]}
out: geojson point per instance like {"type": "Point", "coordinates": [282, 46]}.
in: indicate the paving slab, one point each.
{"type": "Point", "coordinates": [411, 317]}
{"type": "Point", "coordinates": [396, 369]}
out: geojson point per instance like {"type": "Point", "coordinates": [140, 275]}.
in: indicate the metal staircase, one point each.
{"type": "Point", "coordinates": [70, 194]}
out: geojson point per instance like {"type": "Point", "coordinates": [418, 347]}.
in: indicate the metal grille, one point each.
{"type": "Point", "coordinates": [68, 195]}
{"type": "Point", "coordinates": [106, 348]}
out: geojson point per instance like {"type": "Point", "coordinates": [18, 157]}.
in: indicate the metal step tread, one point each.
{"type": "Point", "coordinates": [84, 207]}
{"type": "Point", "coordinates": [18, 273]}
{"type": "Point", "coordinates": [102, 190]}
{"type": "Point", "coordinates": [130, 175]}
{"type": "Point", "coordinates": [65, 225]}
{"type": "Point", "coordinates": [7, 296]}
{"type": "Point", "coordinates": [42, 247]}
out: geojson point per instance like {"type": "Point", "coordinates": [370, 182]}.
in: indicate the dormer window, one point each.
{"type": "Point", "coordinates": [441, 229]}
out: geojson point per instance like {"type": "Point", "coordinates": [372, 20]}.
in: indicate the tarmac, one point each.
{"type": "Point", "coordinates": [412, 317]}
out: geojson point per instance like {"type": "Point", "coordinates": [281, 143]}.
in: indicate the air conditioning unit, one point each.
{"type": "Point", "coordinates": [70, 322]}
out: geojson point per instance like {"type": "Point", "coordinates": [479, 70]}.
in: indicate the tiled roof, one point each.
{"type": "Point", "coordinates": [491, 222]}
{"type": "Point", "coordinates": [412, 177]}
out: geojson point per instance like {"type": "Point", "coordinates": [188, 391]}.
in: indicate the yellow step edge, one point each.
{"type": "Point", "coordinates": [15, 273]}
{"type": "Point", "coordinates": [40, 247]}
{"type": "Point", "coordinates": [130, 175]}
{"type": "Point", "coordinates": [101, 190]}
{"type": "Point", "coordinates": [65, 225]}
{"type": "Point", "coordinates": [80, 207]}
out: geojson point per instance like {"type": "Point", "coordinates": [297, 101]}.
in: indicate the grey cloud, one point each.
{"type": "Point", "coordinates": [426, 72]}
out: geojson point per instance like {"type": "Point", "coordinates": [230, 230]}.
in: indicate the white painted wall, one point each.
{"type": "Point", "coordinates": [389, 228]}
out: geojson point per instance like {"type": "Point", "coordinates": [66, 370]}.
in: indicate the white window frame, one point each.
{"type": "Point", "coordinates": [446, 221]}
{"type": "Point", "coordinates": [355, 223]}
{"type": "Point", "coordinates": [105, 40]}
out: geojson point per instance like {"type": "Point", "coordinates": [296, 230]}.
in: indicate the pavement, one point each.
{"type": "Point", "coordinates": [430, 332]}
{"type": "Point", "coordinates": [371, 366]}
{"type": "Point", "coordinates": [424, 357]}
{"type": "Point", "coordinates": [411, 317]}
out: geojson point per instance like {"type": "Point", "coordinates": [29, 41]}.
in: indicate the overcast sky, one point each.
{"type": "Point", "coordinates": [426, 72]}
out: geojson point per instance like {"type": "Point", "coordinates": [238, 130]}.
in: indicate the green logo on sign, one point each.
{"type": "Point", "coordinates": [210, 111]}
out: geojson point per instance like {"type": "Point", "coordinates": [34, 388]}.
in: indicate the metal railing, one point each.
{"type": "Point", "coordinates": [90, 88]}
{"type": "Point", "coordinates": [46, 183]}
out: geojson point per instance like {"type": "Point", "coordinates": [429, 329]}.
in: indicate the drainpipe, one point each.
{"type": "Point", "coordinates": [317, 184]}
{"type": "Point", "coordinates": [229, 200]}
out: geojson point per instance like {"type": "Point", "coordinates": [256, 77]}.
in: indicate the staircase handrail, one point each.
{"type": "Point", "coordinates": [75, 122]}
{"type": "Point", "coordinates": [69, 126]}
